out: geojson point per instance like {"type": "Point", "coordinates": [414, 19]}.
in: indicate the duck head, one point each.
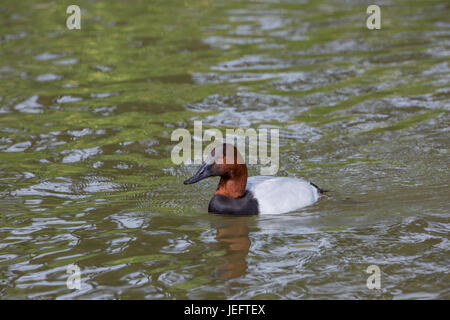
{"type": "Point", "coordinates": [226, 162]}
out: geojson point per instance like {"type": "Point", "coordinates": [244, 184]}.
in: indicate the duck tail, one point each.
{"type": "Point", "coordinates": [321, 191]}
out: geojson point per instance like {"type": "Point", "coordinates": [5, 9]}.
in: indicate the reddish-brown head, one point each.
{"type": "Point", "coordinates": [224, 161]}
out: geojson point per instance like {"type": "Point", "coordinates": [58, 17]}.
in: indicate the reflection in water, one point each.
{"type": "Point", "coordinates": [233, 234]}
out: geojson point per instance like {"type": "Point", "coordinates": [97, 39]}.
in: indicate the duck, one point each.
{"type": "Point", "coordinates": [238, 194]}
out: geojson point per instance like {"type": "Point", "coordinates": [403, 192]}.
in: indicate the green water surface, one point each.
{"type": "Point", "coordinates": [86, 176]}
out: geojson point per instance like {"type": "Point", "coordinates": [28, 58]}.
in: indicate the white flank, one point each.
{"type": "Point", "coordinates": [277, 195]}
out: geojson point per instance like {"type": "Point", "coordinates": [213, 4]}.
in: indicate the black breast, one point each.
{"type": "Point", "coordinates": [246, 205]}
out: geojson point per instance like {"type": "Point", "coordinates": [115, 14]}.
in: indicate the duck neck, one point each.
{"type": "Point", "coordinates": [233, 185]}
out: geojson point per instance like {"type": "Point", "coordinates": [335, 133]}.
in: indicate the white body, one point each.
{"type": "Point", "coordinates": [277, 195]}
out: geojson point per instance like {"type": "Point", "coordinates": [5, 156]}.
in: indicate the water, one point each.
{"type": "Point", "coordinates": [86, 176]}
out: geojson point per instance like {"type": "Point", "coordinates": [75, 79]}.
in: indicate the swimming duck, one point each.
{"type": "Point", "coordinates": [238, 195]}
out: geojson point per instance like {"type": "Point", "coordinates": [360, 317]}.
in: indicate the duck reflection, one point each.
{"type": "Point", "coordinates": [233, 235]}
